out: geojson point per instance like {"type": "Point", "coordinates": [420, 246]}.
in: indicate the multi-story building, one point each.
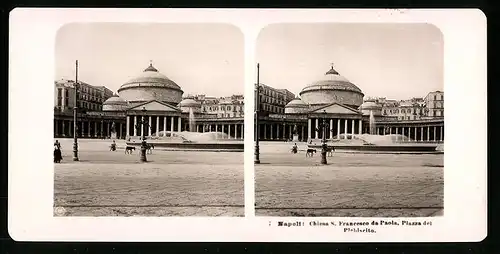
{"type": "Point", "coordinates": [90, 98]}
{"type": "Point", "coordinates": [340, 105]}
{"type": "Point", "coordinates": [223, 107]}
{"type": "Point", "coordinates": [413, 109]}
{"type": "Point", "coordinates": [434, 102]}
{"type": "Point", "coordinates": [152, 96]}
{"type": "Point", "coordinates": [273, 101]}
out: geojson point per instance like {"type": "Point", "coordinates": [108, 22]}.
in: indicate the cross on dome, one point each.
{"type": "Point", "coordinates": [150, 67]}
{"type": "Point", "coordinates": [332, 71]}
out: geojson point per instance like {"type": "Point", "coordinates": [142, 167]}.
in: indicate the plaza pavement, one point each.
{"type": "Point", "coordinates": [172, 183]}
{"type": "Point", "coordinates": [352, 184]}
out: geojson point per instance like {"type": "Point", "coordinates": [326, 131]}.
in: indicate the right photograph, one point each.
{"type": "Point", "coordinates": [349, 120]}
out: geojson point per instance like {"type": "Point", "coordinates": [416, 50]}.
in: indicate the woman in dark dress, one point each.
{"type": "Point", "coordinates": [57, 154]}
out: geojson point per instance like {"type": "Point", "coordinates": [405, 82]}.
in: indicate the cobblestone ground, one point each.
{"type": "Point", "coordinates": [360, 185]}
{"type": "Point", "coordinates": [172, 183]}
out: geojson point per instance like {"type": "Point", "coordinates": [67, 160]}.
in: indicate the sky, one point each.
{"type": "Point", "coordinates": [200, 58]}
{"type": "Point", "coordinates": [396, 61]}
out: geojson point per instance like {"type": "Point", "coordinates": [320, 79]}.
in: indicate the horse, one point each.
{"type": "Point", "coordinates": [149, 148]}
{"type": "Point", "coordinates": [310, 152]}
{"type": "Point", "coordinates": [330, 150]}
{"type": "Point", "coordinates": [129, 149]}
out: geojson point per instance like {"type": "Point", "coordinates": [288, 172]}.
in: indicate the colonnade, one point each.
{"type": "Point", "coordinates": [155, 124]}
{"type": "Point", "coordinates": [158, 124]}
{"type": "Point", "coordinates": [414, 133]}
{"type": "Point", "coordinates": [88, 128]}
{"type": "Point", "coordinates": [280, 131]}
{"type": "Point", "coordinates": [233, 130]}
{"type": "Point", "coordinates": [335, 127]}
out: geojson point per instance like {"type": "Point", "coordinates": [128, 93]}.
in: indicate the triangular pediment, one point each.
{"type": "Point", "coordinates": [154, 106]}
{"type": "Point", "coordinates": [336, 108]}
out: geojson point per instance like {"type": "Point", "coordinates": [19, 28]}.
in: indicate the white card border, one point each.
{"type": "Point", "coordinates": [31, 73]}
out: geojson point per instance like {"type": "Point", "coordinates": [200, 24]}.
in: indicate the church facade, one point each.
{"type": "Point", "coordinates": [154, 98]}
{"type": "Point", "coordinates": [338, 105]}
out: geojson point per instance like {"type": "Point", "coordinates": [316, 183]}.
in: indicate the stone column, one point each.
{"type": "Point", "coordinates": [421, 133]}
{"type": "Point", "coordinates": [229, 131]}
{"type": "Point", "coordinates": [353, 126]}
{"type": "Point", "coordinates": [135, 126]}
{"type": "Point", "coordinates": [95, 129]}
{"type": "Point", "coordinates": [128, 127]}
{"type": "Point", "coordinates": [316, 125]}
{"type": "Point", "coordinates": [330, 131]}
{"type": "Point", "coordinates": [142, 127]}
{"type": "Point", "coordinates": [345, 128]}
{"type": "Point", "coordinates": [277, 131]}
{"type": "Point", "coordinates": [164, 123]}
{"type": "Point", "coordinates": [179, 123]}
{"type": "Point", "coordinates": [157, 126]}
{"type": "Point", "coordinates": [338, 128]}
{"type": "Point", "coordinates": [397, 130]}
{"type": "Point", "coordinates": [390, 130]}
{"type": "Point", "coordinates": [171, 123]}
{"type": "Point", "coordinates": [149, 127]}
{"type": "Point", "coordinates": [83, 129]}
{"type": "Point", "coordinates": [272, 131]}
{"type": "Point", "coordinates": [57, 128]}
{"type": "Point", "coordinates": [435, 132]}
{"type": "Point", "coordinates": [120, 132]}
{"type": "Point", "coordinates": [88, 125]}
{"type": "Point", "coordinates": [360, 127]}
{"type": "Point", "coordinates": [428, 133]}
{"type": "Point", "coordinates": [63, 129]}
{"type": "Point", "coordinates": [416, 138]}
{"type": "Point", "coordinates": [242, 131]}
{"type": "Point", "coordinates": [309, 123]}
{"type": "Point", "coordinates": [197, 128]}
{"type": "Point", "coordinates": [441, 138]}
{"type": "Point", "coordinates": [102, 129]}
{"type": "Point", "coordinates": [265, 131]}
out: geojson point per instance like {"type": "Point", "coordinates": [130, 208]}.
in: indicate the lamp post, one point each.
{"type": "Point", "coordinates": [257, 106]}
{"type": "Point", "coordinates": [75, 119]}
{"type": "Point", "coordinates": [142, 124]}
{"type": "Point", "coordinates": [323, 127]}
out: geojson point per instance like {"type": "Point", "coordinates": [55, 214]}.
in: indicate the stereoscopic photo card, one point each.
{"type": "Point", "coordinates": [247, 125]}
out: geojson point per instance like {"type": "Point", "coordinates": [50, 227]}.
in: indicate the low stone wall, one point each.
{"type": "Point", "coordinates": [197, 146]}
{"type": "Point", "coordinates": [396, 148]}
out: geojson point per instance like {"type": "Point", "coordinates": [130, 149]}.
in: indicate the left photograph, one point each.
{"type": "Point", "coordinates": [149, 120]}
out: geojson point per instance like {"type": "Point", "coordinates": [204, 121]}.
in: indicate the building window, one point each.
{"type": "Point", "coordinates": [59, 92]}
{"type": "Point", "coordinates": [66, 101]}
{"type": "Point", "coordinates": [59, 101]}
{"type": "Point", "coordinates": [66, 92]}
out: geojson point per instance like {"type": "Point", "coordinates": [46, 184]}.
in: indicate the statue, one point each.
{"type": "Point", "coordinates": [113, 127]}
{"type": "Point", "coordinates": [295, 131]}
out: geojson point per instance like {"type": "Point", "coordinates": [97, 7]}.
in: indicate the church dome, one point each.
{"type": "Point", "coordinates": [296, 106]}
{"type": "Point", "coordinates": [115, 100]}
{"type": "Point", "coordinates": [151, 85]}
{"type": "Point", "coordinates": [296, 103]}
{"type": "Point", "coordinates": [371, 106]}
{"type": "Point", "coordinates": [114, 103]}
{"type": "Point", "coordinates": [188, 102]}
{"type": "Point", "coordinates": [332, 88]}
